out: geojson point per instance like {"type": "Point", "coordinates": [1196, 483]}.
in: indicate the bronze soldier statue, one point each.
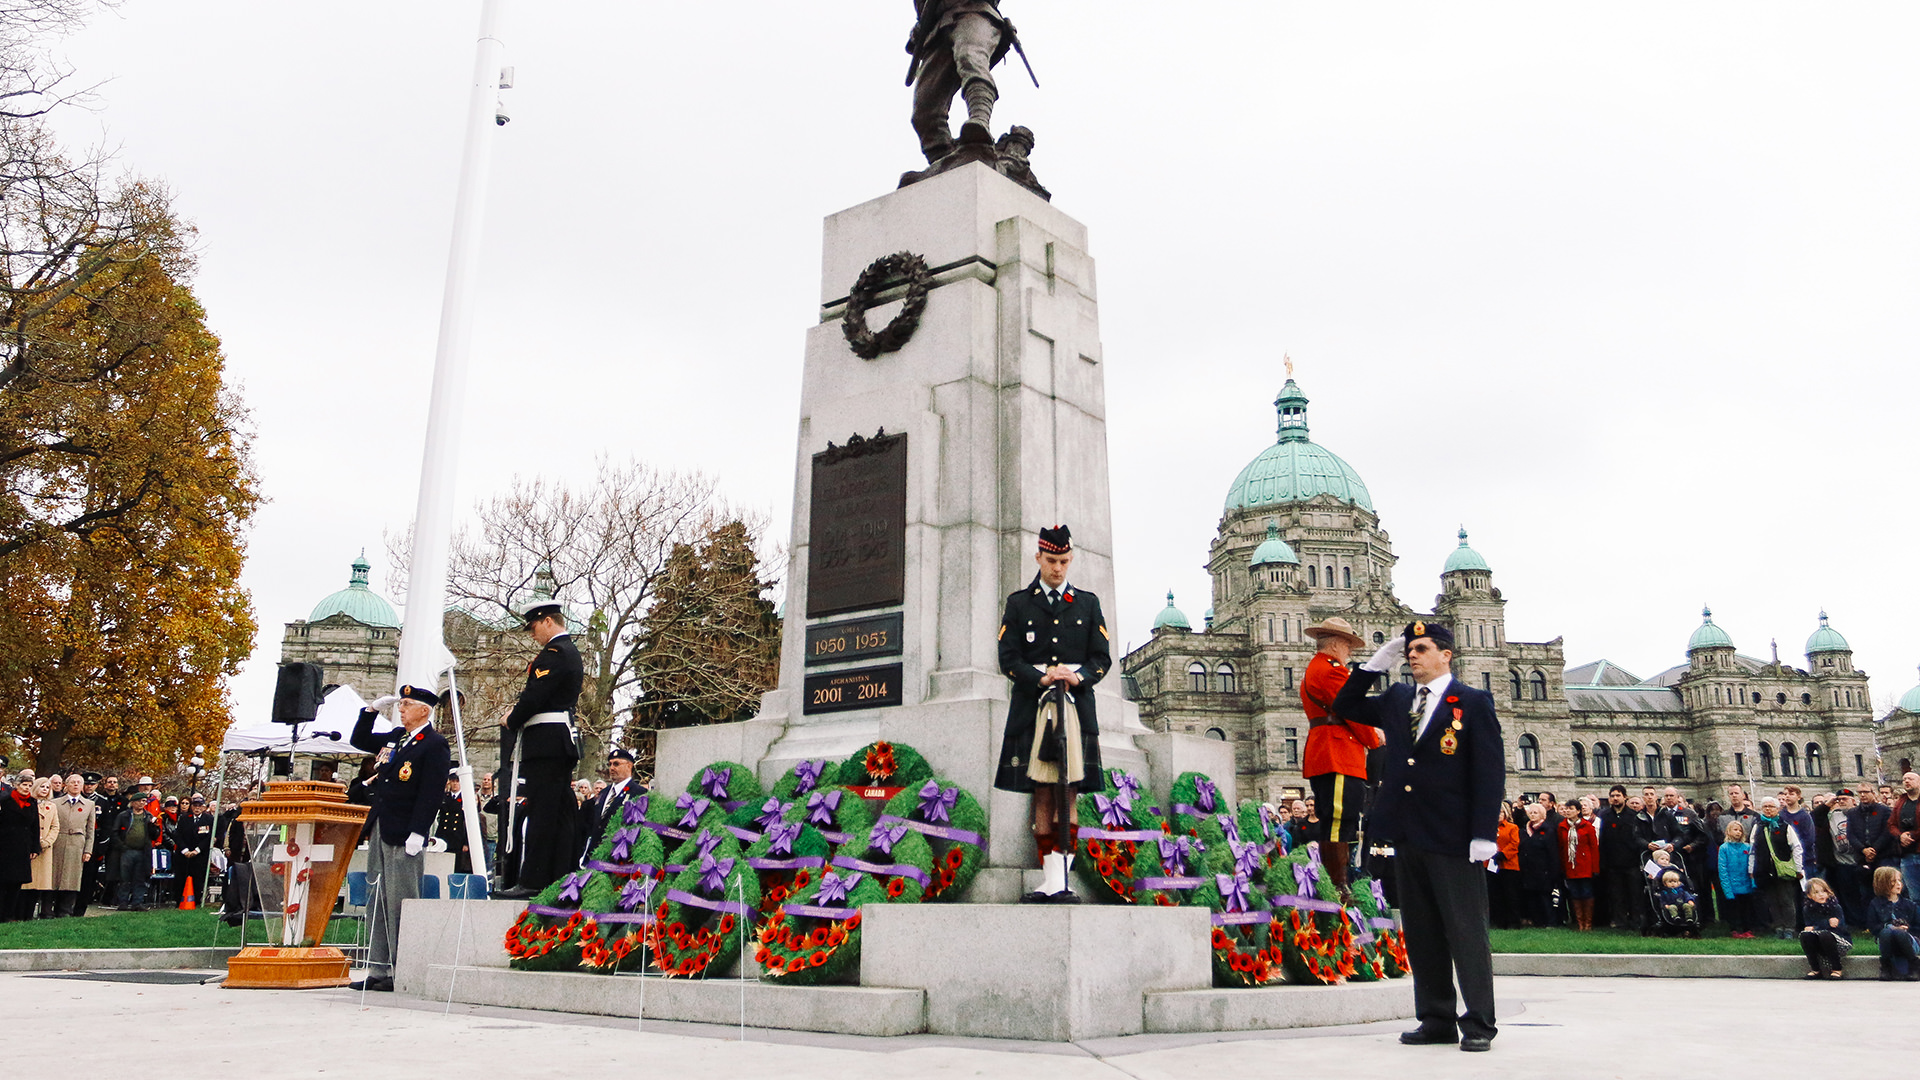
{"type": "Point", "coordinates": [955, 44]}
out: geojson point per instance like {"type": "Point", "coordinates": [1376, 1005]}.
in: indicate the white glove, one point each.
{"type": "Point", "coordinates": [437, 844]}
{"type": "Point", "coordinates": [1388, 656]}
{"type": "Point", "coordinates": [1482, 850]}
{"type": "Point", "coordinates": [417, 843]}
{"type": "Point", "coordinates": [379, 704]}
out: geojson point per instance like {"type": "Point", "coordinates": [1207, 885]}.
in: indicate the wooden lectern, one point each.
{"type": "Point", "coordinates": [302, 834]}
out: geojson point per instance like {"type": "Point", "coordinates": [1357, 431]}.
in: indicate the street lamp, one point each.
{"type": "Point", "coordinates": [198, 768]}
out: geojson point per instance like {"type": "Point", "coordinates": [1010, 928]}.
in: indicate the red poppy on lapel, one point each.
{"type": "Point", "coordinates": [1451, 700]}
{"type": "Point", "coordinates": [1067, 596]}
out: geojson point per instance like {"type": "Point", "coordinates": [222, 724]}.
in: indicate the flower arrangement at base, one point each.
{"type": "Point", "coordinates": [550, 933]}
{"type": "Point", "coordinates": [704, 916]}
{"type": "Point", "coordinates": [627, 865]}
{"type": "Point", "coordinates": [1244, 950]}
{"type": "Point", "coordinates": [1113, 823]}
{"type": "Point", "coordinates": [1264, 826]}
{"type": "Point", "coordinates": [885, 764]}
{"type": "Point", "coordinates": [803, 778]}
{"type": "Point", "coordinates": [1167, 870]}
{"type": "Point", "coordinates": [1389, 944]}
{"type": "Point", "coordinates": [895, 856]}
{"type": "Point", "coordinates": [953, 825]}
{"type": "Point", "coordinates": [1197, 806]}
{"type": "Point", "coordinates": [839, 814]}
{"type": "Point", "coordinates": [737, 791]}
{"type": "Point", "coordinates": [679, 818]}
{"type": "Point", "coordinates": [788, 859]}
{"type": "Point", "coordinates": [1315, 938]}
{"type": "Point", "coordinates": [817, 939]}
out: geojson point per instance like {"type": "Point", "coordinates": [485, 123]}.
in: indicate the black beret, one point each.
{"type": "Point", "coordinates": [1420, 628]}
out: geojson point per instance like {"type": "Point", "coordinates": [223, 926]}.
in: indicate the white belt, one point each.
{"type": "Point", "coordinates": [513, 778]}
{"type": "Point", "coordinates": [546, 718]}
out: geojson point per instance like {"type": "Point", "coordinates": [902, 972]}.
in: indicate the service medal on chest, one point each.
{"type": "Point", "coordinates": [406, 769]}
{"type": "Point", "coordinates": [1449, 743]}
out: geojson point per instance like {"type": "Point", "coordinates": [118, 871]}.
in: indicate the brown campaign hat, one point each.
{"type": "Point", "coordinates": [1335, 627]}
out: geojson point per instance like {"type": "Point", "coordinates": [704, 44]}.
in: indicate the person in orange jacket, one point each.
{"type": "Point", "coordinates": [1336, 760]}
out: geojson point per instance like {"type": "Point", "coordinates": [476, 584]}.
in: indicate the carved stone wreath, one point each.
{"type": "Point", "coordinates": [881, 272]}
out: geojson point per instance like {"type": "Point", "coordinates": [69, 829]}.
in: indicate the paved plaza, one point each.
{"type": "Point", "coordinates": [1596, 1027]}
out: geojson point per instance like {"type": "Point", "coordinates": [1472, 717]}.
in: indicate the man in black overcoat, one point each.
{"type": "Point", "coordinates": [609, 801]}
{"type": "Point", "coordinates": [1439, 803]}
{"type": "Point", "coordinates": [1052, 634]}
{"type": "Point", "coordinates": [537, 840]}
{"type": "Point", "coordinates": [410, 772]}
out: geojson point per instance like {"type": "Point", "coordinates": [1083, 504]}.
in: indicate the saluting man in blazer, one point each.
{"type": "Point", "coordinates": [1439, 804]}
{"type": "Point", "coordinates": [409, 774]}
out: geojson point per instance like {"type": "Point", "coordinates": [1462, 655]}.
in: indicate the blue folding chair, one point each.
{"type": "Point", "coordinates": [430, 887]}
{"type": "Point", "coordinates": [357, 888]}
{"type": "Point", "coordinates": [466, 887]}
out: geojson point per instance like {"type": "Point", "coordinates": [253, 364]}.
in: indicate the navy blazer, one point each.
{"type": "Point", "coordinates": [1439, 795]}
{"type": "Point", "coordinates": [410, 779]}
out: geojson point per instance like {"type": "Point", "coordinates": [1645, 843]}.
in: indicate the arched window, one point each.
{"type": "Point", "coordinates": [1330, 578]}
{"type": "Point", "coordinates": [1813, 759]}
{"type": "Point", "coordinates": [1766, 760]}
{"type": "Point", "coordinates": [1514, 677]}
{"type": "Point", "coordinates": [1602, 760]}
{"type": "Point", "coordinates": [1346, 577]}
{"type": "Point", "coordinates": [1228, 683]}
{"type": "Point", "coordinates": [1197, 677]}
{"type": "Point", "coordinates": [1629, 764]}
{"type": "Point", "coordinates": [1313, 575]}
{"type": "Point", "coordinates": [1789, 760]}
{"type": "Point", "coordinates": [1379, 638]}
{"type": "Point", "coordinates": [1216, 734]}
{"type": "Point", "coordinates": [1579, 760]}
{"type": "Point", "coordinates": [1654, 760]}
{"type": "Point", "coordinates": [1779, 699]}
{"type": "Point", "coordinates": [1539, 686]}
{"type": "Point", "coordinates": [1529, 754]}
{"type": "Point", "coordinates": [1678, 758]}
{"type": "Point", "coordinates": [1806, 699]}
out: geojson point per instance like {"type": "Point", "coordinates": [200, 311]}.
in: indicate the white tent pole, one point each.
{"type": "Point", "coordinates": [421, 635]}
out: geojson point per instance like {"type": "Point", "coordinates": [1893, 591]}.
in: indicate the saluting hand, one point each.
{"type": "Point", "coordinates": [1388, 656]}
{"type": "Point", "coordinates": [380, 704]}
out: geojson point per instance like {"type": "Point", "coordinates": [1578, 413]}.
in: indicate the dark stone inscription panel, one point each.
{"type": "Point", "coordinates": [861, 688]}
{"type": "Point", "coordinates": [857, 530]}
{"type": "Point", "coordinates": [855, 639]}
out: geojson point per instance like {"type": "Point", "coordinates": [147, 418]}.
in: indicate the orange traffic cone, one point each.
{"type": "Point", "coordinates": [186, 898]}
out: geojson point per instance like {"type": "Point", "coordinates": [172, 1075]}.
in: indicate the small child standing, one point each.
{"type": "Point", "coordinates": [1677, 902]}
{"type": "Point", "coordinates": [1892, 917]}
{"type": "Point", "coordinates": [1736, 880]}
{"type": "Point", "coordinates": [1823, 935]}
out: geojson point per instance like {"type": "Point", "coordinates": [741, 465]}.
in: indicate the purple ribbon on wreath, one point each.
{"type": "Point", "coordinates": [703, 847]}
{"type": "Point", "coordinates": [570, 888]}
{"type": "Point", "coordinates": [635, 812]}
{"type": "Point", "coordinates": [1129, 786]}
{"type": "Point", "coordinates": [885, 836]}
{"type": "Point", "coordinates": [807, 775]}
{"type": "Point", "coordinates": [1205, 793]}
{"type": "Point", "coordinates": [623, 841]}
{"type": "Point", "coordinates": [780, 838]}
{"type": "Point", "coordinates": [715, 783]}
{"type": "Point", "coordinates": [1175, 851]}
{"type": "Point", "coordinates": [936, 803]}
{"type": "Point", "coordinates": [772, 811]}
{"type": "Point", "coordinates": [637, 893]}
{"type": "Point", "coordinates": [1234, 891]}
{"type": "Point", "coordinates": [821, 806]}
{"type": "Point", "coordinates": [1306, 875]}
{"type": "Point", "coordinates": [1246, 857]}
{"type": "Point", "coordinates": [1113, 812]}
{"type": "Point", "coordinates": [695, 809]}
{"type": "Point", "coordinates": [1379, 897]}
{"type": "Point", "coordinates": [1229, 826]}
{"type": "Point", "coordinates": [713, 873]}
{"type": "Point", "coordinates": [835, 887]}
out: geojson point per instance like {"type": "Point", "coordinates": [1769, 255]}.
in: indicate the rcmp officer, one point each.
{"type": "Point", "coordinates": [1335, 764]}
{"type": "Point", "coordinates": [1052, 634]}
{"type": "Point", "coordinates": [600, 810]}
{"type": "Point", "coordinates": [410, 772]}
{"type": "Point", "coordinates": [538, 839]}
{"type": "Point", "coordinates": [1443, 768]}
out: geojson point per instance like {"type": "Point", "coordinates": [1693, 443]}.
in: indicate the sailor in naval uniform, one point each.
{"type": "Point", "coordinates": [538, 841]}
{"type": "Point", "coordinates": [1052, 634]}
{"type": "Point", "coordinates": [1442, 769]}
{"type": "Point", "coordinates": [409, 773]}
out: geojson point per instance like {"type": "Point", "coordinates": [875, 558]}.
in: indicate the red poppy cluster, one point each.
{"type": "Point", "coordinates": [528, 939]}
{"type": "Point", "coordinates": [879, 761]}
{"type": "Point", "coordinates": [1316, 956]}
{"type": "Point", "coordinates": [1248, 953]}
{"type": "Point", "coordinates": [784, 948]}
{"type": "Point", "coordinates": [945, 871]}
{"type": "Point", "coordinates": [1113, 860]}
{"type": "Point", "coordinates": [679, 950]}
{"type": "Point", "coordinates": [779, 886]}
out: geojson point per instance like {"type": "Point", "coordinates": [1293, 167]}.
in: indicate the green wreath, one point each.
{"type": "Point", "coordinates": [805, 776]}
{"type": "Point", "coordinates": [841, 815]}
{"type": "Point", "coordinates": [817, 939]}
{"type": "Point", "coordinates": [679, 818]}
{"type": "Point", "coordinates": [885, 764]}
{"type": "Point", "coordinates": [1196, 801]}
{"type": "Point", "coordinates": [734, 787]}
{"type": "Point", "coordinates": [893, 853]}
{"type": "Point", "coordinates": [954, 827]}
{"type": "Point", "coordinates": [1114, 822]}
{"type": "Point", "coordinates": [1244, 952]}
{"type": "Point", "coordinates": [788, 859]}
{"type": "Point", "coordinates": [556, 925]}
{"type": "Point", "coordinates": [1316, 939]}
{"type": "Point", "coordinates": [1389, 945]}
{"type": "Point", "coordinates": [1168, 870]}
{"type": "Point", "coordinates": [704, 916]}
{"type": "Point", "coordinates": [628, 866]}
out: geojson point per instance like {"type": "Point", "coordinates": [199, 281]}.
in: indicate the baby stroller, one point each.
{"type": "Point", "coordinates": [1669, 919]}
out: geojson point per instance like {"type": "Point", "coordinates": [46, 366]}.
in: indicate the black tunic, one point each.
{"type": "Point", "coordinates": [1034, 631]}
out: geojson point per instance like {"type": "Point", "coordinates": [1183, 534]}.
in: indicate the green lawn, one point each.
{"type": "Point", "coordinates": [1715, 942]}
{"type": "Point", "coordinates": [162, 929]}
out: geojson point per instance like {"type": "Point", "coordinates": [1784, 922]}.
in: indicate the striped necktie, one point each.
{"type": "Point", "coordinates": [1419, 713]}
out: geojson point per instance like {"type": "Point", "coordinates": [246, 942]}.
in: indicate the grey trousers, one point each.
{"type": "Point", "coordinates": [393, 877]}
{"type": "Point", "coordinates": [1443, 903]}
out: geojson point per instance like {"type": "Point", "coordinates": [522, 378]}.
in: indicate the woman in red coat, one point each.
{"type": "Point", "coordinates": [1580, 862]}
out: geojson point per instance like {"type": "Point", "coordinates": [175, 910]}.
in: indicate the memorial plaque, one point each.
{"type": "Point", "coordinates": [855, 639]}
{"type": "Point", "coordinates": [857, 528]}
{"type": "Point", "coordinates": [861, 688]}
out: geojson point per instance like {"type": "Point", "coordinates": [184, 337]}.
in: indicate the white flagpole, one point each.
{"type": "Point", "coordinates": [421, 645]}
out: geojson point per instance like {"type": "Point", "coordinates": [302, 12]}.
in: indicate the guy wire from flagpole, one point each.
{"type": "Point", "coordinates": [469, 798]}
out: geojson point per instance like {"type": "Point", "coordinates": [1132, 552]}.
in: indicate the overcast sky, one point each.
{"type": "Point", "coordinates": [1628, 291]}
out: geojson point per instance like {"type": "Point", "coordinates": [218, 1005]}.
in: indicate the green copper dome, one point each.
{"type": "Point", "coordinates": [1273, 549]}
{"type": "Point", "coordinates": [1294, 469]}
{"type": "Point", "coordinates": [1708, 636]}
{"type": "Point", "coordinates": [1826, 639]}
{"type": "Point", "coordinates": [357, 601]}
{"type": "Point", "coordinates": [1464, 557]}
{"type": "Point", "coordinates": [1910, 701]}
{"type": "Point", "coordinates": [1171, 616]}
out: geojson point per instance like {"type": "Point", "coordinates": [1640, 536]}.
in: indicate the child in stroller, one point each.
{"type": "Point", "coordinates": [1670, 896]}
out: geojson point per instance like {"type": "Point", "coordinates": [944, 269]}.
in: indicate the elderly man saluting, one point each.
{"type": "Point", "coordinates": [1439, 804]}
{"type": "Point", "coordinates": [408, 775]}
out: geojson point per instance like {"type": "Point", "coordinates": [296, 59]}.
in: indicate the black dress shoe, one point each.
{"type": "Point", "coordinates": [1426, 1037]}
{"type": "Point", "coordinates": [1064, 896]}
{"type": "Point", "coordinates": [515, 894]}
{"type": "Point", "coordinates": [377, 983]}
{"type": "Point", "coordinates": [1037, 897]}
{"type": "Point", "coordinates": [1477, 1044]}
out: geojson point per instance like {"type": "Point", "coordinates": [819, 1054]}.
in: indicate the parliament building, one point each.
{"type": "Point", "coordinates": [1300, 540]}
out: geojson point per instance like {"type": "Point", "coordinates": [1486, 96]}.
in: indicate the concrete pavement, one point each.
{"type": "Point", "coordinates": [1599, 1027]}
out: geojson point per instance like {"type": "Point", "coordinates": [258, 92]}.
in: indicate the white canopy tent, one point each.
{"type": "Point", "coordinates": [336, 717]}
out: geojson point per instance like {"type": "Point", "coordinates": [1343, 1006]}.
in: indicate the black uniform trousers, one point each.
{"type": "Point", "coordinates": [1443, 905]}
{"type": "Point", "coordinates": [547, 851]}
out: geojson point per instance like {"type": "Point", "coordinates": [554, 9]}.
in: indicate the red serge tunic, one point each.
{"type": "Point", "coordinates": [1332, 745]}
